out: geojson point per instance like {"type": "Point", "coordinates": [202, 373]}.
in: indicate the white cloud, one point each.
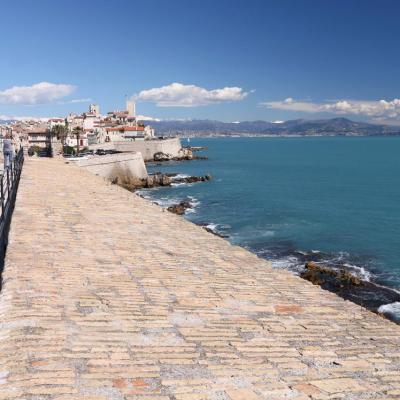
{"type": "Point", "coordinates": [73, 101]}
{"type": "Point", "coordinates": [147, 118]}
{"type": "Point", "coordinates": [180, 95]}
{"type": "Point", "coordinates": [24, 118]}
{"type": "Point", "coordinates": [39, 93]}
{"type": "Point", "coordinates": [376, 109]}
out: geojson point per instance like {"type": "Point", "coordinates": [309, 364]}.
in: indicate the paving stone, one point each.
{"type": "Point", "coordinates": [107, 296]}
{"type": "Point", "coordinates": [242, 394]}
{"type": "Point", "coordinates": [338, 385]}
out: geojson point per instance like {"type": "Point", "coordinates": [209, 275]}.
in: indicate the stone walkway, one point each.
{"type": "Point", "coordinates": [106, 296]}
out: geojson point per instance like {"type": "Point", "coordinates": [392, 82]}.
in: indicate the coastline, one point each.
{"type": "Point", "coordinates": [371, 293]}
{"type": "Point", "coordinates": [357, 285]}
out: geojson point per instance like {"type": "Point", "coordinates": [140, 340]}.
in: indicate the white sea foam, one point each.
{"type": "Point", "coordinates": [143, 193]}
{"type": "Point", "coordinates": [290, 262]}
{"type": "Point", "coordinates": [179, 176]}
{"type": "Point", "coordinates": [213, 227]}
{"type": "Point", "coordinates": [174, 184]}
{"type": "Point", "coordinates": [359, 271]}
{"type": "Point", "coordinates": [193, 201]}
{"type": "Point", "coordinates": [391, 310]}
{"type": "Point", "coordinates": [166, 202]}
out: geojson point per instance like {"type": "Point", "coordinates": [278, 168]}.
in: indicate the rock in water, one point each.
{"type": "Point", "coordinates": [180, 208]}
{"type": "Point", "coordinates": [209, 230]}
{"type": "Point", "coordinates": [193, 179]}
{"type": "Point", "coordinates": [158, 179]}
{"type": "Point", "coordinates": [319, 275]}
{"type": "Point", "coordinates": [351, 287]}
{"type": "Point", "coordinates": [160, 156]}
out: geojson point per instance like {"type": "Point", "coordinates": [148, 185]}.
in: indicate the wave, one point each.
{"type": "Point", "coordinates": [193, 201]}
{"type": "Point", "coordinates": [291, 263]}
{"type": "Point", "coordinates": [166, 202]}
{"type": "Point", "coordinates": [179, 176]}
{"type": "Point", "coordinates": [392, 311]}
{"type": "Point", "coordinates": [283, 256]}
{"type": "Point", "coordinates": [176, 184]}
{"type": "Point", "coordinates": [360, 272]}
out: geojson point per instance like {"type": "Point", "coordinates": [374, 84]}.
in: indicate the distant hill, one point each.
{"type": "Point", "coordinates": [296, 127]}
{"type": "Point", "coordinates": [5, 121]}
{"type": "Point", "coordinates": [323, 127]}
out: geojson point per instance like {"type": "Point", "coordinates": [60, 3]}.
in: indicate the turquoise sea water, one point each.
{"type": "Point", "coordinates": [336, 197]}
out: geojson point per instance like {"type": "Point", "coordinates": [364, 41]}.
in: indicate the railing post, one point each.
{"type": "Point", "coordinates": [8, 193]}
{"type": "Point", "coordinates": [8, 183]}
{"type": "Point", "coordinates": [2, 196]}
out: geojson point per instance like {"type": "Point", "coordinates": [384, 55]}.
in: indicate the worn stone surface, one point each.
{"type": "Point", "coordinates": [106, 296]}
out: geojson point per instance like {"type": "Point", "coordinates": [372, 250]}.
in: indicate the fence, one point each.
{"type": "Point", "coordinates": [9, 181]}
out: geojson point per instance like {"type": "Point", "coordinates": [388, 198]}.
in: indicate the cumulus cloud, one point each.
{"type": "Point", "coordinates": [180, 95]}
{"type": "Point", "coordinates": [39, 93]}
{"type": "Point", "coordinates": [376, 109]}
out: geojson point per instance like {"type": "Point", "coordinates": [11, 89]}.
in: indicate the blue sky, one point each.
{"type": "Point", "coordinates": [221, 59]}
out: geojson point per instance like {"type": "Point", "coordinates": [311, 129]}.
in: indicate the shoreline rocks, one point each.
{"type": "Point", "coordinates": [185, 154]}
{"type": "Point", "coordinates": [319, 275]}
{"type": "Point", "coordinates": [350, 287]}
{"type": "Point", "coordinates": [156, 180]}
{"type": "Point", "coordinates": [180, 208]}
{"type": "Point", "coordinates": [192, 179]}
{"type": "Point", "coordinates": [209, 230]}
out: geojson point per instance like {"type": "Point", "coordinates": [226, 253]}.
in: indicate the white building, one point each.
{"type": "Point", "coordinates": [89, 120]}
{"type": "Point", "coordinates": [55, 121]}
{"type": "Point", "coordinates": [94, 109]}
{"type": "Point", "coordinates": [131, 108]}
{"type": "Point", "coordinates": [71, 141]}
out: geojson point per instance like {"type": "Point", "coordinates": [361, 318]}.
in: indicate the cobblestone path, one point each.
{"type": "Point", "coordinates": [107, 296]}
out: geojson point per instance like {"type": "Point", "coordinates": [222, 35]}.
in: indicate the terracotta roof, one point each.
{"type": "Point", "coordinates": [38, 132]}
{"type": "Point", "coordinates": [127, 128]}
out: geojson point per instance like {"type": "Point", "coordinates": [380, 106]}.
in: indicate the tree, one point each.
{"type": "Point", "coordinates": [77, 132]}
{"type": "Point", "coordinates": [61, 132]}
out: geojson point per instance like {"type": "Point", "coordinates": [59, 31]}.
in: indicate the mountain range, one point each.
{"type": "Point", "coordinates": [298, 127]}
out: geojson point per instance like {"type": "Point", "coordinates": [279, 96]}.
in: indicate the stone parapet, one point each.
{"type": "Point", "coordinates": [112, 166]}
{"type": "Point", "coordinates": [148, 148]}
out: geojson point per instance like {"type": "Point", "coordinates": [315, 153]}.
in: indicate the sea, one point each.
{"type": "Point", "coordinates": [335, 200]}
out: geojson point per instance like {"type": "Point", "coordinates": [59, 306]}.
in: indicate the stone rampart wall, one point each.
{"type": "Point", "coordinates": [113, 166]}
{"type": "Point", "coordinates": [147, 147]}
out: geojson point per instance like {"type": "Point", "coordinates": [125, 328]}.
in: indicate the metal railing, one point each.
{"type": "Point", "coordinates": [9, 181]}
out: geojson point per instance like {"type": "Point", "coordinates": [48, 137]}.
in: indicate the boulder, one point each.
{"type": "Point", "coordinates": [180, 208]}
{"type": "Point", "coordinates": [193, 179]}
{"type": "Point", "coordinates": [318, 275]}
{"type": "Point", "coordinates": [160, 156]}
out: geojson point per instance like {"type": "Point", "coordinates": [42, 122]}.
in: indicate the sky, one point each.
{"type": "Point", "coordinates": [222, 59]}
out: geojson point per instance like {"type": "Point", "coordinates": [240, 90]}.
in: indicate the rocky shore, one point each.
{"type": "Point", "coordinates": [180, 208]}
{"type": "Point", "coordinates": [351, 287]}
{"type": "Point", "coordinates": [207, 228]}
{"type": "Point", "coordinates": [186, 154]}
{"type": "Point", "coordinates": [157, 179]}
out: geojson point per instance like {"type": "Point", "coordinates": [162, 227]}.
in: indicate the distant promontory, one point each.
{"type": "Point", "coordinates": [297, 127]}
